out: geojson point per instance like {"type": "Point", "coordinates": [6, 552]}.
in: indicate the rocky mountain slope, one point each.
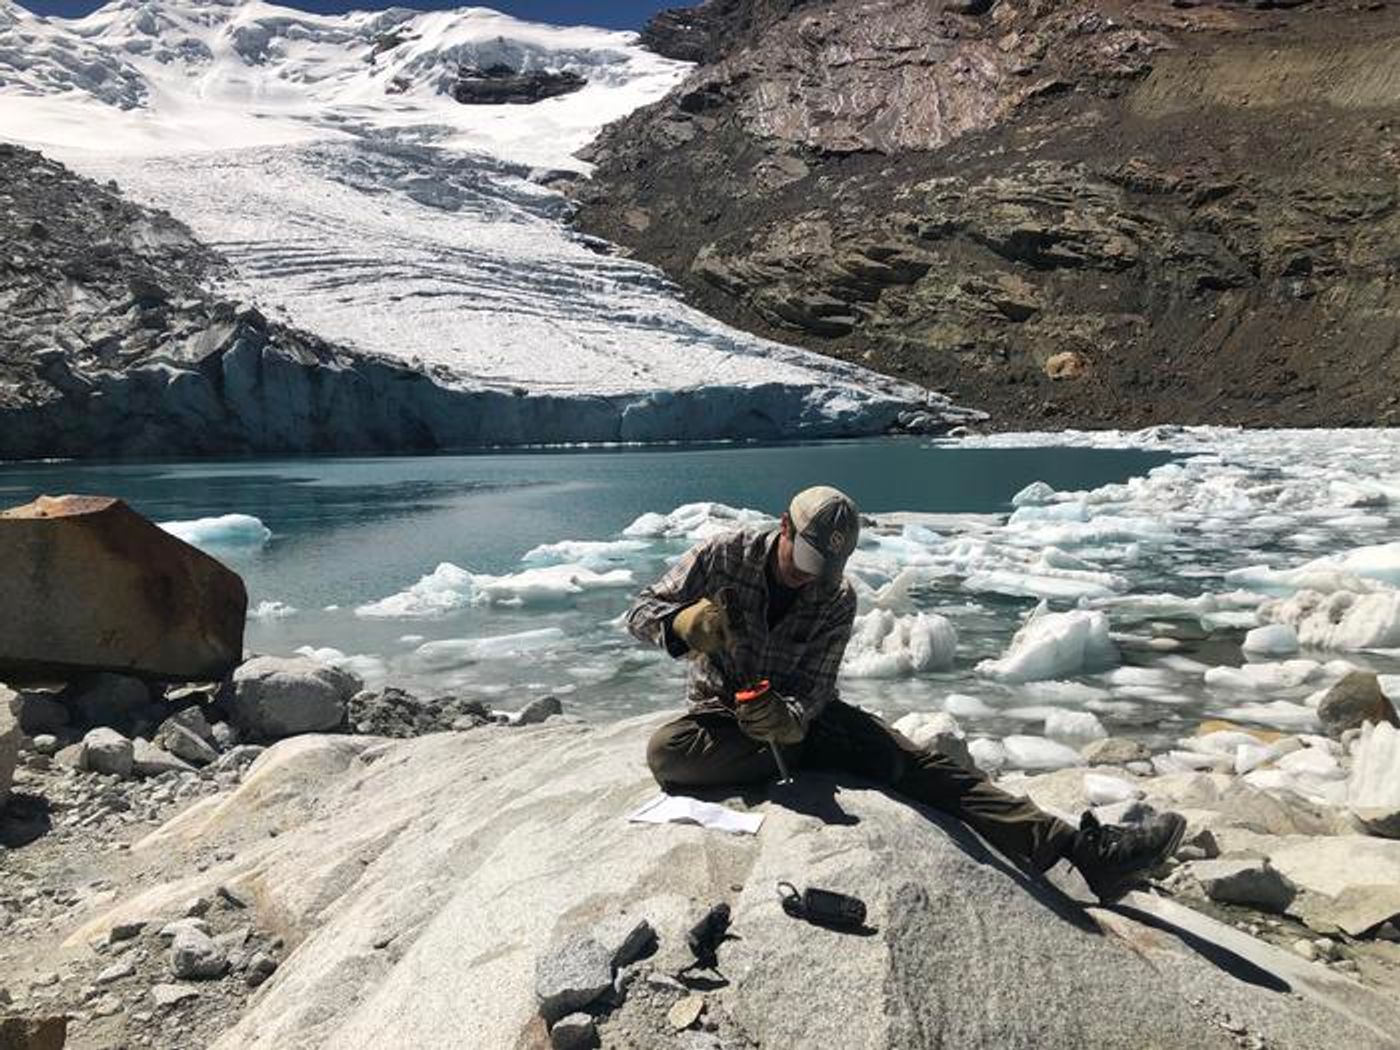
{"type": "Point", "coordinates": [1087, 213]}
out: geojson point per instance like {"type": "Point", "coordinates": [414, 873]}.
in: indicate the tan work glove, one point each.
{"type": "Point", "coordinates": [770, 719]}
{"type": "Point", "coordinates": [703, 627]}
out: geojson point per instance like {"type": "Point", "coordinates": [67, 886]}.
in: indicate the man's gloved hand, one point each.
{"type": "Point", "coordinates": [770, 718]}
{"type": "Point", "coordinates": [704, 627]}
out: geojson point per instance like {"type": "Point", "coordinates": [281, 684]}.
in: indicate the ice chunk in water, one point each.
{"type": "Point", "coordinates": [884, 645]}
{"type": "Point", "coordinates": [591, 554]}
{"type": "Point", "coordinates": [924, 728]}
{"type": "Point", "coordinates": [1049, 512]}
{"type": "Point", "coordinates": [1273, 639]}
{"type": "Point", "coordinates": [696, 521]}
{"type": "Point", "coordinates": [371, 670]}
{"type": "Point", "coordinates": [1340, 620]}
{"type": "Point", "coordinates": [271, 610]}
{"type": "Point", "coordinates": [989, 754]}
{"type": "Point", "coordinates": [1074, 725]}
{"type": "Point", "coordinates": [224, 531]}
{"type": "Point", "coordinates": [1261, 677]}
{"type": "Point", "coordinates": [446, 589]}
{"type": "Point", "coordinates": [1033, 495]}
{"type": "Point", "coordinates": [449, 587]}
{"type": "Point", "coordinates": [1053, 645]}
{"type": "Point", "coordinates": [458, 652]}
{"type": "Point", "coordinates": [1036, 752]}
{"type": "Point", "coordinates": [1279, 714]}
{"type": "Point", "coordinates": [960, 705]}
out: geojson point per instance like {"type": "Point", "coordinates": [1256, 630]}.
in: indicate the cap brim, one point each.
{"type": "Point", "coordinates": [807, 558]}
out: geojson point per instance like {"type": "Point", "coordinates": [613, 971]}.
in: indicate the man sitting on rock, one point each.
{"type": "Point", "coordinates": [773, 605]}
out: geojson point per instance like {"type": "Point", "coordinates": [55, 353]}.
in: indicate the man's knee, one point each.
{"type": "Point", "coordinates": [667, 751]}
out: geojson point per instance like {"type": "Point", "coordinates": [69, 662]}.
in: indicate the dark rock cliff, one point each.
{"type": "Point", "coordinates": [1087, 212]}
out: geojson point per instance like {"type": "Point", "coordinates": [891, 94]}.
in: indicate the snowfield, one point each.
{"type": "Point", "coordinates": [327, 159]}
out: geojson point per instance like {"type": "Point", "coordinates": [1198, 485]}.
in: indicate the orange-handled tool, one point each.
{"type": "Point", "coordinates": [747, 696]}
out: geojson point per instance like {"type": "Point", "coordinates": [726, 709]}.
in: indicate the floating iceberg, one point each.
{"type": "Point", "coordinates": [1055, 645]}
{"type": "Point", "coordinates": [1340, 620]}
{"type": "Point", "coordinates": [450, 587]}
{"type": "Point", "coordinates": [884, 645]}
{"type": "Point", "coordinates": [223, 532]}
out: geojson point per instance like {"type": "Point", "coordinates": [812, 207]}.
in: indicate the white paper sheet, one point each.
{"type": "Point", "coordinates": [679, 809]}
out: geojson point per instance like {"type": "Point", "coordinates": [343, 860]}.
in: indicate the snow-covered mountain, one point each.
{"type": "Point", "coordinates": [328, 157]}
{"type": "Point", "coordinates": [217, 74]}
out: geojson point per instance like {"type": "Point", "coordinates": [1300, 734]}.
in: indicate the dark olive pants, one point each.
{"type": "Point", "coordinates": [709, 750]}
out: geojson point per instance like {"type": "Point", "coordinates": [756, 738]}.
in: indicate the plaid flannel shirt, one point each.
{"type": "Point", "coordinates": [800, 656]}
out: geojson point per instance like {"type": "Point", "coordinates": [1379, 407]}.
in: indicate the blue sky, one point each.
{"type": "Point", "coordinates": [616, 14]}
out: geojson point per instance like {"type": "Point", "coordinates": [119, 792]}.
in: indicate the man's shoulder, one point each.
{"type": "Point", "coordinates": [737, 544]}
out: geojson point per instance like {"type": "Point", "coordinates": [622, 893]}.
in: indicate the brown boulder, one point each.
{"type": "Point", "coordinates": [1357, 698]}
{"type": "Point", "coordinates": [1067, 365]}
{"type": "Point", "coordinates": [93, 586]}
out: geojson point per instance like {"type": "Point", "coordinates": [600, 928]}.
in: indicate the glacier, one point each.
{"type": "Point", "coordinates": [326, 159]}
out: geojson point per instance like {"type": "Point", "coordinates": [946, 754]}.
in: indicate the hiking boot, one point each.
{"type": "Point", "coordinates": [1115, 857]}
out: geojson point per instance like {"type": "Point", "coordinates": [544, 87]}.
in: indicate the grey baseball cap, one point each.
{"type": "Point", "coordinates": [827, 526]}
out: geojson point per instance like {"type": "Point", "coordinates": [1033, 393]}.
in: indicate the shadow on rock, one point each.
{"type": "Point", "coordinates": [26, 819]}
{"type": "Point", "coordinates": [1218, 955]}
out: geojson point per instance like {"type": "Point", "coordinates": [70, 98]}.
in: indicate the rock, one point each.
{"type": "Point", "coordinates": [1252, 882]}
{"type": "Point", "coordinates": [151, 761]}
{"type": "Point", "coordinates": [238, 758]}
{"type": "Point", "coordinates": [479, 841]}
{"type": "Point", "coordinates": [1355, 699]}
{"type": "Point", "coordinates": [1373, 793]}
{"type": "Point", "coordinates": [125, 931]}
{"type": "Point", "coordinates": [196, 956]}
{"type": "Point", "coordinates": [275, 697]}
{"type": "Point", "coordinates": [537, 711]}
{"type": "Point", "coordinates": [107, 751]}
{"type": "Point", "coordinates": [39, 710]}
{"type": "Point", "coordinates": [46, 744]}
{"type": "Point", "coordinates": [1114, 751]}
{"type": "Point", "coordinates": [1305, 948]}
{"type": "Point", "coordinates": [120, 593]}
{"type": "Point", "coordinates": [169, 931]}
{"type": "Point", "coordinates": [186, 743]}
{"type": "Point", "coordinates": [504, 85]}
{"type": "Point", "coordinates": [686, 1012]}
{"type": "Point", "coordinates": [573, 1032]}
{"type": "Point", "coordinates": [571, 976]}
{"type": "Point", "coordinates": [33, 1033]}
{"type": "Point", "coordinates": [1069, 364]}
{"type": "Point", "coordinates": [10, 735]}
{"type": "Point", "coordinates": [113, 700]}
{"type": "Point", "coordinates": [260, 967]}
{"type": "Point", "coordinates": [118, 970]}
{"type": "Point", "coordinates": [70, 757]}
{"type": "Point", "coordinates": [624, 938]}
{"type": "Point", "coordinates": [164, 995]}
{"type": "Point", "coordinates": [223, 736]}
